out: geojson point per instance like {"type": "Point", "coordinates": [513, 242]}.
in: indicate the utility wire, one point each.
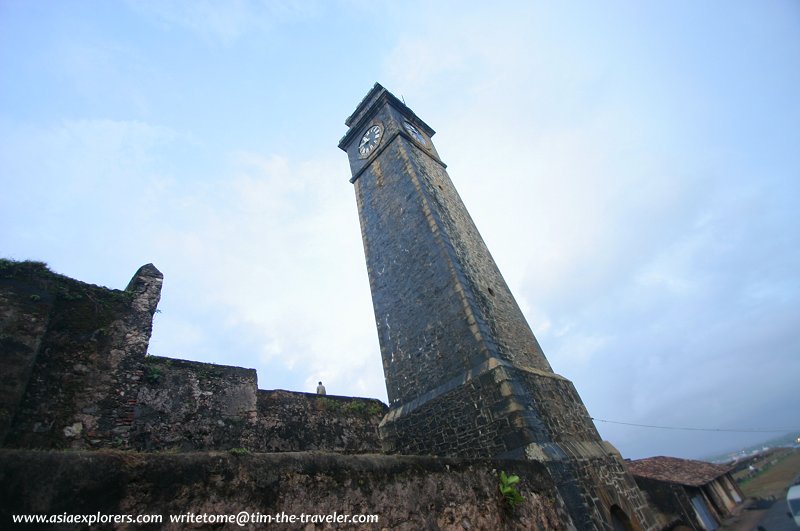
{"type": "Point", "coordinates": [691, 429]}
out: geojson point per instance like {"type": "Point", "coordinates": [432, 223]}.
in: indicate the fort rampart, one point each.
{"type": "Point", "coordinates": [76, 374]}
{"type": "Point", "coordinates": [90, 424]}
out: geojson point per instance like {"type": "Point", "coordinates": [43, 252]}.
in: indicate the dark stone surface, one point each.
{"type": "Point", "coordinates": [25, 307]}
{"type": "Point", "coordinates": [186, 405]}
{"type": "Point", "coordinates": [295, 422]}
{"type": "Point", "coordinates": [671, 501]}
{"type": "Point", "coordinates": [441, 305]}
{"type": "Point", "coordinates": [406, 493]}
{"type": "Point", "coordinates": [75, 352]}
{"type": "Point", "coordinates": [464, 373]}
{"type": "Point", "coordinates": [189, 406]}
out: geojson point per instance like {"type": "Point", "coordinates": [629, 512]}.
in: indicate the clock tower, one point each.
{"type": "Point", "coordinates": [464, 373]}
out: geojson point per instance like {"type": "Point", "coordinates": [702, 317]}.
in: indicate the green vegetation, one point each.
{"type": "Point", "coordinates": [53, 284]}
{"type": "Point", "coordinates": [774, 479]}
{"type": "Point", "coordinates": [374, 409]}
{"type": "Point", "coordinates": [356, 407]}
{"type": "Point", "coordinates": [11, 268]}
{"type": "Point", "coordinates": [153, 374]}
{"type": "Point", "coordinates": [508, 490]}
{"type": "Point", "coordinates": [326, 404]}
{"type": "Point", "coordinates": [239, 451]}
{"type": "Point", "coordinates": [207, 373]}
{"type": "Point", "coordinates": [353, 406]}
{"type": "Point", "coordinates": [154, 368]}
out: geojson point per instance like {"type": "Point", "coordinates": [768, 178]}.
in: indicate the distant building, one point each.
{"type": "Point", "coordinates": [689, 493]}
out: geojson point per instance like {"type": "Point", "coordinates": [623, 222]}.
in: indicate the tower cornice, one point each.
{"type": "Point", "coordinates": [369, 106]}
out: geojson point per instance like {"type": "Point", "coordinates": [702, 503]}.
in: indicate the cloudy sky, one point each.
{"type": "Point", "coordinates": [634, 169]}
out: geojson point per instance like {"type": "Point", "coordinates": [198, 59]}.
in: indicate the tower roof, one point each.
{"type": "Point", "coordinates": [369, 104]}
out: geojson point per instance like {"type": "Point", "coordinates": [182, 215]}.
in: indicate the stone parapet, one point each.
{"type": "Point", "coordinates": [296, 422]}
{"type": "Point", "coordinates": [187, 405]}
{"type": "Point", "coordinates": [404, 492]}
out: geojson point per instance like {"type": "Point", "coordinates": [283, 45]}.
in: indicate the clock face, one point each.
{"type": "Point", "coordinates": [415, 133]}
{"type": "Point", "coordinates": [370, 140]}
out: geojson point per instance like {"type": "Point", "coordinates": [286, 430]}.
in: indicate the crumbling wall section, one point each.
{"type": "Point", "coordinates": [78, 357]}
{"type": "Point", "coordinates": [404, 492]}
{"type": "Point", "coordinates": [188, 405]}
{"type": "Point", "coordinates": [297, 422]}
{"type": "Point", "coordinates": [25, 308]}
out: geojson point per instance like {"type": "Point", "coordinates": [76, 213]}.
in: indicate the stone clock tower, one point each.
{"type": "Point", "coordinates": [464, 373]}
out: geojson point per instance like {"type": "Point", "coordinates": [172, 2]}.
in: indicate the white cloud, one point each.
{"type": "Point", "coordinates": [579, 350]}
{"type": "Point", "coordinates": [263, 263]}
{"type": "Point", "coordinates": [275, 247]}
{"type": "Point", "coordinates": [81, 184]}
{"type": "Point", "coordinates": [223, 22]}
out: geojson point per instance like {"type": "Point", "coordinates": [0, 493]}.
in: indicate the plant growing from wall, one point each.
{"type": "Point", "coordinates": [153, 374]}
{"type": "Point", "coordinates": [353, 406]}
{"type": "Point", "coordinates": [356, 407]}
{"type": "Point", "coordinates": [326, 404]}
{"type": "Point", "coordinates": [508, 489]}
{"type": "Point", "coordinates": [374, 409]}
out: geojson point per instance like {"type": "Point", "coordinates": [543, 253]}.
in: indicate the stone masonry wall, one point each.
{"type": "Point", "coordinates": [465, 374]}
{"type": "Point", "coordinates": [404, 492]}
{"type": "Point", "coordinates": [469, 420]}
{"type": "Point", "coordinates": [24, 315]}
{"type": "Point", "coordinates": [74, 374]}
{"type": "Point", "coordinates": [501, 322]}
{"type": "Point", "coordinates": [441, 305]}
{"type": "Point", "coordinates": [670, 501]}
{"type": "Point", "coordinates": [188, 406]}
{"type": "Point", "coordinates": [71, 356]}
{"type": "Point", "coordinates": [486, 409]}
{"type": "Point", "coordinates": [298, 422]}
{"type": "Point", "coordinates": [592, 476]}
{"type": "Point", "coordinates": [500, 408]}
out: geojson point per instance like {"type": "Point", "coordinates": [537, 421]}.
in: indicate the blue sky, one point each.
{"type": "Point", "coordinates": [633, 167]}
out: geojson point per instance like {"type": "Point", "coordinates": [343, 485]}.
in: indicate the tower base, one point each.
{"type": "Point", "coordinates": [497, 410]}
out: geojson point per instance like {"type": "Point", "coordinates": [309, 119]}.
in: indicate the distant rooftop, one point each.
{"type": "Point", "coordinates": [675, 470]}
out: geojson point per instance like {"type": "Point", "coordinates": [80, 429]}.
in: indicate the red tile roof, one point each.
{"type": "Point", "coordinates": [675, 470]}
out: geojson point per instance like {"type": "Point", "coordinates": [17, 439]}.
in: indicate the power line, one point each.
{"type": "Point", "coordinates": [691, 429]}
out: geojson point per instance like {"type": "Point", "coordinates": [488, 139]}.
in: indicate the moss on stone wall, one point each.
{"type": "Point", "coordinates": [405, 492]}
